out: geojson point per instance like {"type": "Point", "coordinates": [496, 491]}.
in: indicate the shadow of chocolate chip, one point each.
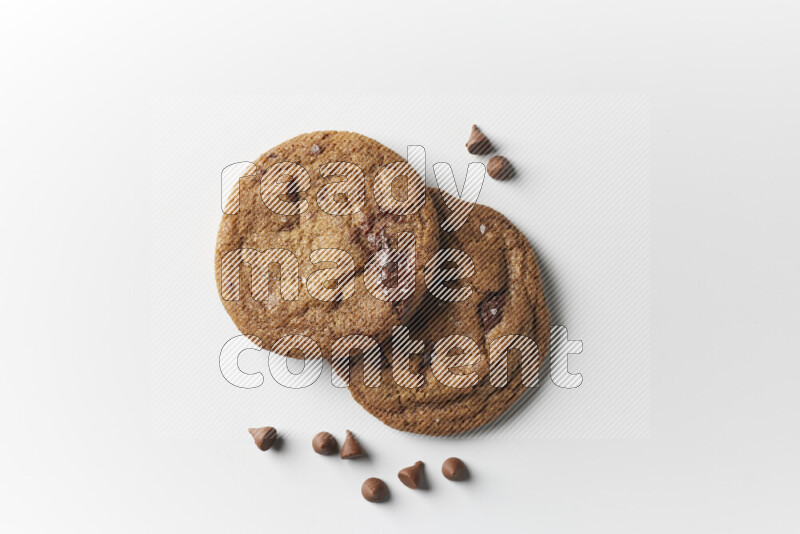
{"type": "Point", "coordinates": [424, 482]}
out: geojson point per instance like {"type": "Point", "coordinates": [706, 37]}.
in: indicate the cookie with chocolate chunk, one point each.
{"type": "Point", "coordinates": [463, 363]}
{"type": "Point", "coordinates": [326, 236]}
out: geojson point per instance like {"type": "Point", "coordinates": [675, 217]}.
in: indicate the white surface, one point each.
{"type": "Point", "coordinates": [582, 198]}
{"type": "Point", "coordinates": [78, 450]}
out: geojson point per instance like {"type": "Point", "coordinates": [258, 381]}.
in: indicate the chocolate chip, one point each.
{"type": "Point", "coordinates": [391, 275]}
{"type": "Point", "coordinates": [324, 443]}
{"type": "Point", "coordinates": [490, 309]}
{"type": "Point", "coordinates": [379, 239]}
{"type": "Point", "coordinates": [477, 142]}
{"type": "Point", "coordinates": [293, 192]}
{"type": "Point", "coordinates": [499, 168]}
{"type": "Point", "coordinates": [425, 358]}
{"type": "Point", "coordinates": [351, 448]}
{"type": "Point", "coordinates": [454, 469]}
{"type": "Point", "coordinates": [374, 490]}
{"type": "Point", "coordinates": [264, 437]}
{"type": "Point", "coordinates": [316, 150]}
{"type": "Point", "coordinates": [411, 476]}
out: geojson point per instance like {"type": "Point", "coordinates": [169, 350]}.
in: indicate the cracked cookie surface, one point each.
{"type": "Point", "coordinates": [506, 298]}
{"type": "Point", "coordinates": [260, 308]}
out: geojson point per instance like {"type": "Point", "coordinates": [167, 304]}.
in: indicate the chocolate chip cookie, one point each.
{"type": "Point", "coordinates": [326, 237]}
{"type": "Point", "coordinates": [460, 363]}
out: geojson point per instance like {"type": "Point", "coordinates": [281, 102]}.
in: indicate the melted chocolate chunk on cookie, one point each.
{"type": "Point", "coordinates": [424, 359]}
{"type": "Point", "coordinates": [427, 355]}
{"type": "Point", "coordinates": [379, 239]}
{"type": "Point", "coordinates": [391, 275]}
{"type": "Point", "coordinates": [364, 231]}
{"type": "Point", "coordinates": [288, 225]}
{"type": "Point", "coordinates": [490, 310]}
{"type": "Point", "coordinates": [293, 192]}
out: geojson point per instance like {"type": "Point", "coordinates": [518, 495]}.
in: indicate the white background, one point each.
{"type": "Point", "coordinates": [581, 197]}
{"type": "Point", "coordinates": [78, 449]}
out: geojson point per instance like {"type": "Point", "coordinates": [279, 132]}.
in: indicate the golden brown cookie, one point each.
{"type": "Point", "coordinates": [304, 249]}
{"type": "Point", "coordinates": [506, 306]}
